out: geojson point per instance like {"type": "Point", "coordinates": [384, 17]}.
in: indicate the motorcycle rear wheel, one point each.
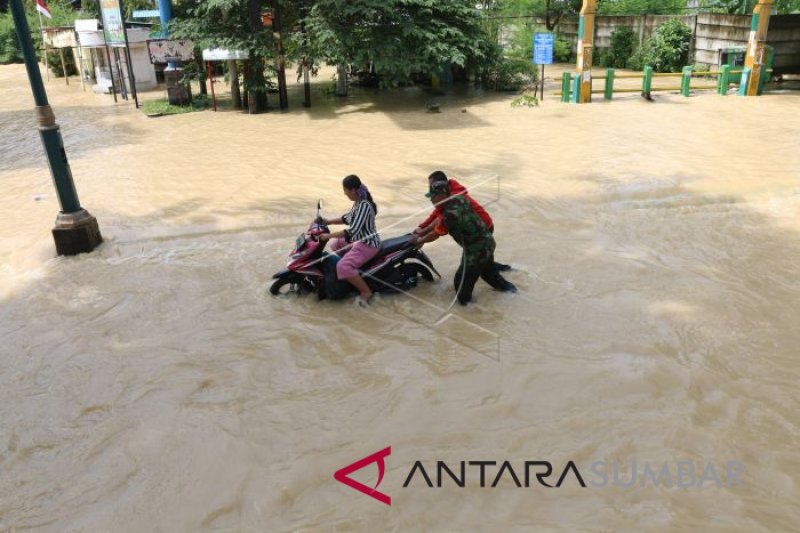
{"type": "Point", "coordinates": [416, 269]}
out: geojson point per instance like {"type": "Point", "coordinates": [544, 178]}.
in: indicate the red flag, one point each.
{"type": "Point", "coordinates": [42, 8]}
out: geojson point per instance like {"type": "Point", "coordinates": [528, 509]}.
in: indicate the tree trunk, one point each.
{"type": "Point", "coordinates": [277, 33]}
{"type": "Point", "coordinates": [341, 80]}
{"type": "Point", "coordinates": [201, 78]}
{"type": "Point", "coordinates": [236, 94]}
{"type": "Point", "coordinates": [256, 85]}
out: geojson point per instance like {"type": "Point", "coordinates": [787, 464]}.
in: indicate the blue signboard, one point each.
{"type": "Point", "coordinates": [542, 48]}
{"type": "Point", "coordinates": [146, 14]}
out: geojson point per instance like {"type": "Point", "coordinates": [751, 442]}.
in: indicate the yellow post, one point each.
{"type": "Point", "coordinates": [585, 44]}
{"type": "Point", "coordinates": [757, 45]}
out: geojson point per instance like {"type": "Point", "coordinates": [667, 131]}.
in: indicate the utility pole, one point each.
{"type": "Point", "coordinates": [75, 231]}
{"type": "Point", "coordinates": [177, 93]}
{"type": "Point", "coordinates": [585, 46]}
{"type": "Point", "coordinates": [757, 47]}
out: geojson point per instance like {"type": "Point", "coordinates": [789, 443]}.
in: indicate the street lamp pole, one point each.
{"type": "Point", "coordinates": [75, 231]}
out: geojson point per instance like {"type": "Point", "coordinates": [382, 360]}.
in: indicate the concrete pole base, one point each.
{"type": "Point", "coordinates": [177, 94]}
{"type": "Point", "coordinates": [76, 233]}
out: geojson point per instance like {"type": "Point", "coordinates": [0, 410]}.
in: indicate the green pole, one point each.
{"type": "Point", "coordinates": [566, 80]}
{"type": "Point", "coordinates": [686, 81]}
{"type": "Point", "coordinates": [647, 82]}
{"type": "Point", "coordinates": [724, 80]}
{"type": "Point", "coordinates": [576, 89]}
{"type": "Point", "coordinates": [76, 231]}
{"type": "Point", "coordinates": [609, 92]}
{"type": "Point", "coordinates": [745, 79]}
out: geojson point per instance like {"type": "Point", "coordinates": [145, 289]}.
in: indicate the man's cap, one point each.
{"type": "Point", "coordinates": [438, 187]}
{"type": "Point", "coordinates": [437, 175]}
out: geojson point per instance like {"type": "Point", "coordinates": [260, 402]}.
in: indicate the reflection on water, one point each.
{"type": "Point", "coordinates": [153, 386]}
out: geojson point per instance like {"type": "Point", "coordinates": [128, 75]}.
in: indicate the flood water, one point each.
{"type": "Point", "coordinates": [154, 386]}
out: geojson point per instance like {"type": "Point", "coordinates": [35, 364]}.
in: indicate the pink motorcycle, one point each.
{"type": "Point", "coordinates": [397, 267]}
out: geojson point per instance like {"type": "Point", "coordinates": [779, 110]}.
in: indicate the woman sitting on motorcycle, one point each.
{"type": "Point", "coordinates": [360, 242]}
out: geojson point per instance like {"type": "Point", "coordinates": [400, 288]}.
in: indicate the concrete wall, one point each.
{"type": "Point", "coordinates": [712, 33]}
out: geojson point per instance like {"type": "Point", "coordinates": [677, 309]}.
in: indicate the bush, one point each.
{"type": "Point", "coordinates": [54, 61]}
{"type": "Point", "coordinates": [525, 100]}
{"type": "Point", "coordinates": [511, 74]}
{"type": "Point", "coordinates": [623, 42]}
{"type": "Point", "coordinates": [700, 70]}
{"type": "Point", "coordinates": [667, 50]}
{"type": "Point", "coordinates": [9, 46]}
{"type": "Point", "coordinates": [602, 58]}
{"type": "Point", "coordinates": [562, 51]}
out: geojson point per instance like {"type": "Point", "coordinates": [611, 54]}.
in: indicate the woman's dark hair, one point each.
{"type": "Point", "coordinates": [354, 182]}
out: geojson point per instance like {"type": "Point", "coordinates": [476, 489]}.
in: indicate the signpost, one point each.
{"type": "Point", "coordinates": [542, 52]}
{"type": "Point", "coordinates": [116, 36]}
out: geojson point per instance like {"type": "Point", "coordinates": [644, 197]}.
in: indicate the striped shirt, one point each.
{"type": "Point", "coordinates": [361, 220]}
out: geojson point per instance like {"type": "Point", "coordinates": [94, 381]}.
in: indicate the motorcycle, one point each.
{"type": "Point", "coordinates": [397, 267]}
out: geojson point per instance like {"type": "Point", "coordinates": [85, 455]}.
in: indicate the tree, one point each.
{"type": "Point", "coordinates": [555, 9]}
{"type": "Point", "coordinates": [551, 10]}
{"type": "Point", "coordinates": [231, 24]}
{"type": "Point", "coordinates": [786, 7]}
{"type": "Point", "coordinates": [641, 7]}
{"type": "Point", "coordinates": [745, 7]}
{"type": "Point", "coordinates": [667, 50]}
{"type": "Point", "coordinates": [399, 38]}
{"type": "Point", "coordinates": [731, 7]}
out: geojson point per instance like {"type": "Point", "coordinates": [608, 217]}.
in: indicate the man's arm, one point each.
{"type": "Point", "coordinates": [432, 232]}
{"type": "Point", "coordinates": [427, 224]}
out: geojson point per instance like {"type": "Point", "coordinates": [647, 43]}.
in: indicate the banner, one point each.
{"type": "Point", "coordinates": [165, 50]}
{"type": "Point", "coordinates": [113, 25]}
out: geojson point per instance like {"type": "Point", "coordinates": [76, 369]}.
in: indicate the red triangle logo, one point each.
{"type": "Point", "coordinates": [342, 476]}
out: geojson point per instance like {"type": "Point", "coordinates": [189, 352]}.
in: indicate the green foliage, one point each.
{"type": "Point", "coordinates": [641, 7]}
{"type": "Point", "coordinates": [786, 7]}
{"type": "Point", "coordinates": [63, 15]}
{"type": "Point", "coordinates": [9, 45]}
{"type": "Point", "coordinates": [667, 50]}
{"type": "Point", "coordinates": [623, 43]}
{"type": "Point", "coordinates": [562, 51]}
{"type": "Point", "coordinates": [163, 107]}
{"type": "Point", "coordinates": [745, 7]}
{"type": "Point", "coordinates": [399, 38]}
{"type": "Point", "coordinates": [601, 57]}
{"type": "Point", "coordinates": [700, 70]}
{"type": "Point", "coordinates": [56, 67]}
{"type": "Point", "coordinates": [731, 7]}
{"type": "Point", "coordinates": [511, 74]}
{"type": "Point", "coordinates": [222, 23]}
{"type": "Point", "coordinates": [525, 100]}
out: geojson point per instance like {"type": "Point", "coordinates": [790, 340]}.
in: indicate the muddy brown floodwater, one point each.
{"type": "Point", "coordinates": [154, 386]}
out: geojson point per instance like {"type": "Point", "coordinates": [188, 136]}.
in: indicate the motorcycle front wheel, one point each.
{"type": "Point", "coordinates": [289, 284]}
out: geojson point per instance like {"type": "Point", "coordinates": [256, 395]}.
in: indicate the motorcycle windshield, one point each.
{"type": "Point", "coordinates": [300, 243]}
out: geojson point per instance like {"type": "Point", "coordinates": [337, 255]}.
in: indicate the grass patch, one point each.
{"type": "Point", "coordinates": [525, 100]}
{"type": "Point", "coordinates": [163, 107]}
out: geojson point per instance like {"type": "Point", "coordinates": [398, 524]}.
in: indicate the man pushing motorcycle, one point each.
{"type": "Point", "coordinates": [467, 228]}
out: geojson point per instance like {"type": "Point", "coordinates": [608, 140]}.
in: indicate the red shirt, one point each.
{"type": "Point", "coordinates": [457, 188]}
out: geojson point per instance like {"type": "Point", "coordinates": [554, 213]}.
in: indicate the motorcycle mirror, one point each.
{"type": "Point", "coordinates": [319, 205]}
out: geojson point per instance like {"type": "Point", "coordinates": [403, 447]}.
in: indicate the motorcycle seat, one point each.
{"type": "Point", "coordinates": [392, 245]}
